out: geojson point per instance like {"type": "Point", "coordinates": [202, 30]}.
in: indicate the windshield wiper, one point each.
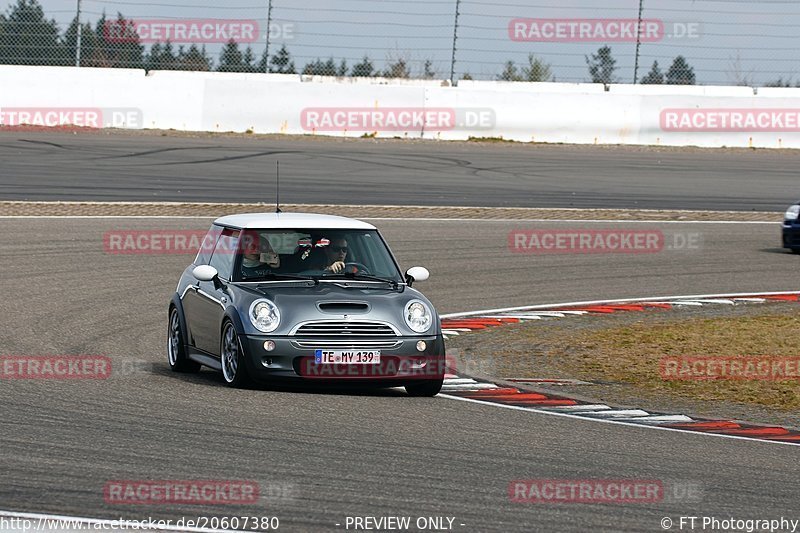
{"type": "Point", "coordinates": [367, 277]}
{"type": "Point", "coordinates": [283, 277]}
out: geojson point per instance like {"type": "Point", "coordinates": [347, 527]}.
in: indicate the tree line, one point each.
{"type": "Point", "coordinates": [27, 37]}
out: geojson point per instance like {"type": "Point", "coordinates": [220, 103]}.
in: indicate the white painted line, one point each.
{"type": "Point", "coordinates": [450, 332]}
{"type": "Point", "coordinates": [553, 314]}
{"type": "Point", "coordinates": [594, 420]}
{"type": "Point", "coordinates": [416, 219]}
{"type": "Point", "coordinates": [548, 381]}
{"type": "Point", "coordinates": [577, 408]}
{"type": "Point", "coordinates": [52, 522]}
{"type": "Point", "coordinates": [677, 303]}
{"type": "Point", "coordinates": [91, 217]}
{"type": "Point", "coordinates": [717, 301]}
{"type": "Point", "coordinates": [521, 317]}
{"type": "Point", "coordinates": [467, 387]}
{"type": "Point", "coordinates": [459, 381]}
{"type": "Point", "coordinates": [572, 220]}
{"type": "Point", "coordinates": [660, 419]}
{"type": "Point", "coordinates": [656, 299]}
{"type": "Point", "coordinates": [755, 300]}
{"type": "Point", "coordinates": [621, 413]}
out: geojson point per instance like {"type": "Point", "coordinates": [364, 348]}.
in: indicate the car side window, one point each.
{"type": "Point", "coordinates": [207, 246]}
{"type": "Point", "coordinates": [225, 253]}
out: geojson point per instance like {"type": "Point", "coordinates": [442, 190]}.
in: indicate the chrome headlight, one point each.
{"type": "Point", "coordinates": [418, 316]}
{"type": "Point", "coordinates": [264, 315]}
{"type": "Point", "coordinates": [792, 213]}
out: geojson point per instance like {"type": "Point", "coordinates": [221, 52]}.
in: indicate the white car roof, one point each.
{"type": "Point", "coordinates": [290, 221]}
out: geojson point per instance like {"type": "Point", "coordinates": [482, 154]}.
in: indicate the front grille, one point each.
{"type": "Point", "coordinates": [348, 345]}
{"type": "Point", "coordinates": [345, 329]}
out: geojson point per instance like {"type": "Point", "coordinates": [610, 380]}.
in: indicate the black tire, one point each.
{"type": "Point", "coordinates": [176, 346]}
{"type": "Point", "coordinates": [234, 369]}
{"type": "Point", "coordinates": [427, 388]}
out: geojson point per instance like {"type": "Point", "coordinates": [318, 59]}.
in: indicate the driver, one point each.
{"type": "Point", "coordinates": [259, 258]}
{"type": "Point", "coordinates": [335, 255]}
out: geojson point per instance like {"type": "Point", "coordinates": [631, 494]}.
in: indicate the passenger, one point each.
{"type": "Point", "coordinates": [259, 259]}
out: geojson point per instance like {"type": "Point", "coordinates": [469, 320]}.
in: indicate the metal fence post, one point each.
{"type": "Point", "coordinates": [455, 38]}
{"type": "Point", "coordinates": [78, 40]}
{"type": "Point", "coordinates": [638, 43]}
{"type": "Point", "coordinates": [269, 22]}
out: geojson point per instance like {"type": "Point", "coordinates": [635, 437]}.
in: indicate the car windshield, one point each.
{"type": "Point", "coordinates": [276, 255]}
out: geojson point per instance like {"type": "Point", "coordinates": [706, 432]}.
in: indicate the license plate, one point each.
{"type": "Point", "coordinates": [347, 357]}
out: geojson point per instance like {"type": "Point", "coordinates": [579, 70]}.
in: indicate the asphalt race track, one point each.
{"type": "Point", "coordinates": [149, 167]}
{"type": "Point", "coordinates": [320, 457]}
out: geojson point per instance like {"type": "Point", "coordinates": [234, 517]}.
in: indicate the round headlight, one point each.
{"type": "Point", "coordinates": [792, 213]}
{"type": "Point", "coordinates": [418, 316]}
{"type": "Point", "coordinates": [264, 315]}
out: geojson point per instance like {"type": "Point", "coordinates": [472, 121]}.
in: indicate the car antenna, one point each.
{"type": "Point", "coordinates": [278, 187]}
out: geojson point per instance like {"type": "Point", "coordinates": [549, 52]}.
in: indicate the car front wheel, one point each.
{"type": "Point", "coordinates": [429, 387]}
{"type": "Point", "coordinates": [176, 348]}
{"type": "Point", "coordinates": [233, 367]}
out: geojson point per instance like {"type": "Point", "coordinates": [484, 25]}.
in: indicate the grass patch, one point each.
{"type": "Point", "coordinates": [631, 354]}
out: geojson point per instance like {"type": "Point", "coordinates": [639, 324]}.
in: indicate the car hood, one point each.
{"type": "Point", "coordinates": [346, 300]}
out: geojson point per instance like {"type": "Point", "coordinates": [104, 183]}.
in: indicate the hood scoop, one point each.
{"type": "Point", "coordinates": [343, 308]}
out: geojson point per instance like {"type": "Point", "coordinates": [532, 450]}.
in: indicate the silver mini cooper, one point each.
{"type": "Point", "coordinates": [307, 298]}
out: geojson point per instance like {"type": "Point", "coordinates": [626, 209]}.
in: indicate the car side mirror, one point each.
{"type": "Point", "coordinates": [208, 273]}
{"type": "Point", "coordinates": [205, 273]}
{"type": "Point", "coordinates": [416, 274]}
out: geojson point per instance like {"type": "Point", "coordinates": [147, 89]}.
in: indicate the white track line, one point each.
{"type": "Point", "coordinates": [653, 299]}
{"type": "Point", "coordinates": [574, 221]}
{"type": "Point", "coordinates": [612, 421]}
{"type": "Point", "coordinates": [470, 387]}
{"type": "Point", "coordinates": [415, 219]}
{"type": "Point", "coordinates": [622, 413]}
{"type": "Point", "coordinates": [604, 413]}
{"type": "Point", "coordinates": [577, 408]}
{"type": "Point", "coordinates": [660, 419]}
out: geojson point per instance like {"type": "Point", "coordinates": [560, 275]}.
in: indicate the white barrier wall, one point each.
{"type": "Point", "coordinates": [527, 112]}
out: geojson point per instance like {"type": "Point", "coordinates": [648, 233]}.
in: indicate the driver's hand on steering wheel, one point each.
{"type": "Point", "coordinates": [336, 267]}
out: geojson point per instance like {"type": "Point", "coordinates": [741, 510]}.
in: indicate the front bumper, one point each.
{"type": "Point", "coordinates": [791, 235]}
{"type": "Point", "coordinates": [399, 365]}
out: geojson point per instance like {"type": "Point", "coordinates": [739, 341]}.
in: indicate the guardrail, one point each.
{"type": "Point", "coordinates": [290, 104]}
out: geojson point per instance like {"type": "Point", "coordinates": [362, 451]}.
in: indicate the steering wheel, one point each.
{"type": "Point", "coordinates": [359, 268]}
